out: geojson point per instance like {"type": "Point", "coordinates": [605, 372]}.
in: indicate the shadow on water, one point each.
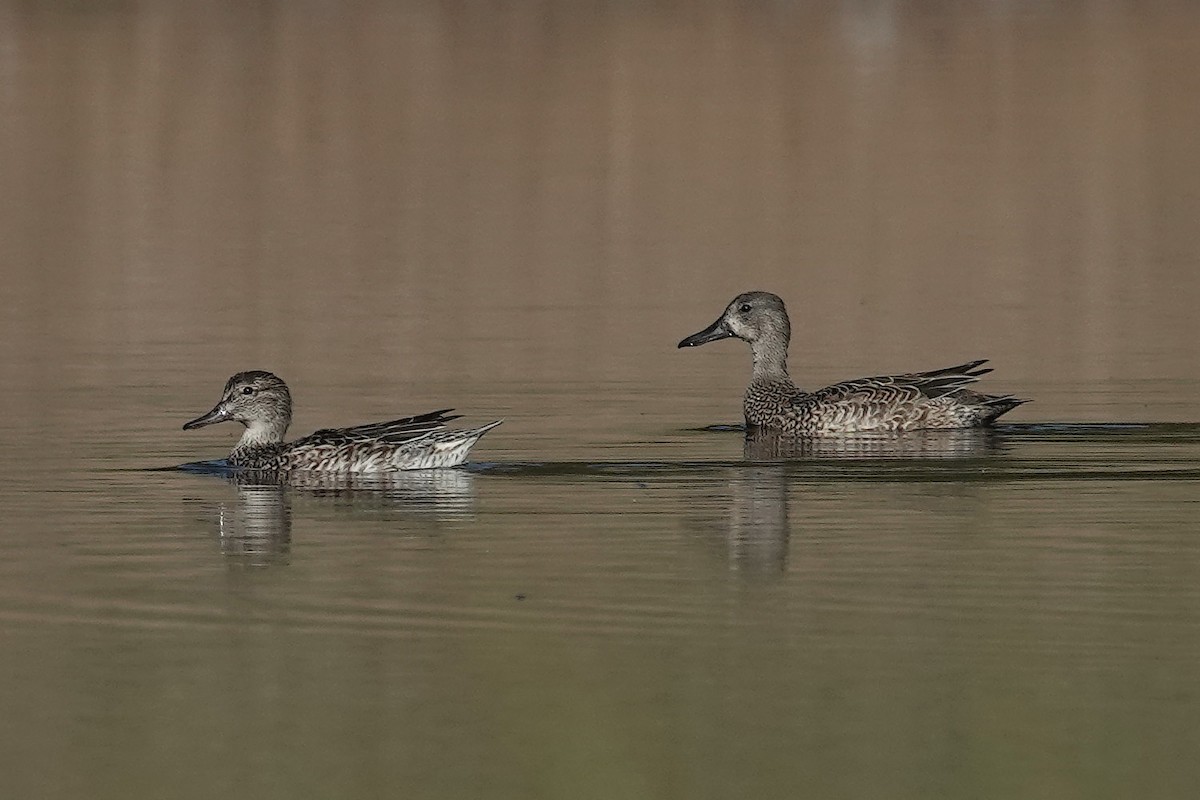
{"type": "Point", "coordinates": [1002, 453]}
{"type": "Point", "coordinates": [918, 445]}
{"type": "Point", "coordinates": [255, 526]}
{"type": "Point", "coordinates": [751, 514]}
{"type": "Point", "coordinates": [1010, 452]}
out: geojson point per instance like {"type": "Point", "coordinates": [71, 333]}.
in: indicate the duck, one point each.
{"type": "Point", "coordinates": [935, 400]}
{"type": "Point", "coordinates": [262, 403]}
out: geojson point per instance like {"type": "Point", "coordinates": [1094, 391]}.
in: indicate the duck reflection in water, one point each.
{"type": "Point", "coordinates": [758, 530]}
{"type": "Point", "coordinates": [764, 445]}
{"type": "Point", "coordinates": [255, 527]}
{"type": "Point", "coordinates": [757, 538]}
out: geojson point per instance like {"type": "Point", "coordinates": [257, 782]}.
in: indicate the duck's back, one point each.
{"type": "Point", "coordinates": [420, 442]}
{"type": "Point", "coordinates": [917, 401]}
{"type": "Point", "coordinates": [412, 443]}
{"type": "Point", "coordinates": [446, 448]}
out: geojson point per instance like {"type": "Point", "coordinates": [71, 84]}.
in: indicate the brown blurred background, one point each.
{"type": "Point", "coordinates": [432, 198]}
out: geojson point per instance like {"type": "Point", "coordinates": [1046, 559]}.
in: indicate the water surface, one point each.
{"type": "Point", "coordinates": [519, 212]}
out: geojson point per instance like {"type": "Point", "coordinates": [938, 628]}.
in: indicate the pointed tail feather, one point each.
{"type": "Point", "coordinates": [968, 368]}
{"type": "Point", "coordinates": [998, 405]}
{"type": "Point", "coordinates": [475, 434]}
{"type": "Point", "coordinates": [948, 380]}
{"type": "Point", "coordinates": [444, 448]}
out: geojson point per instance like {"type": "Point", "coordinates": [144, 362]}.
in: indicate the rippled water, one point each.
{"type": "Point", "coordinates": [519, 212]}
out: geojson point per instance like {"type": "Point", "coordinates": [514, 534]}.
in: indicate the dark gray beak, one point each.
{"type": "Point", "coordinates": [710, 334]}
{"type": "Point", "coordinates": [218, 414]}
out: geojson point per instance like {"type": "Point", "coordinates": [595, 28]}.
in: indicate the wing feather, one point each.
{"type": "Point", "coordinates": [897, 401]}
{"type": "Point", "coordinates": [396, 431]}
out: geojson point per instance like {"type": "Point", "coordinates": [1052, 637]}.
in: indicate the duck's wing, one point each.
{"type": "Point", "coordinates": [913, 385]}
{"type": "Point", "coordinates": [946, 381]}
{"type": "Point", "coordinates": [918, 399]}
{"type": "Point", "coordinates": [396, 431]}
{"type": "Point", "coordinates": [862, 396]}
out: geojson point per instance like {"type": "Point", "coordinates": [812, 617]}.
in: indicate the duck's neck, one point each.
{"type": "Point", "coordinates": [261, 435]}
{"type": "Point", "coordinates": [770, 361]}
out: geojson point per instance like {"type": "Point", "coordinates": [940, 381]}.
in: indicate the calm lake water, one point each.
{"type": "Point", "coordinates": [518, 212]}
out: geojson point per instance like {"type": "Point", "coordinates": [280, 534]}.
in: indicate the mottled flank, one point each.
{"type": "Point", "coordinates": [917, 401]}
{"type": "Point", "coordinates": [261, 402]}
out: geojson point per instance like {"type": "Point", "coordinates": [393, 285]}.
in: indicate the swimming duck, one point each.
{"type": "Point", "coordinates": [920, 400]}
{"type": "Point", "coordinates": [262, 403]}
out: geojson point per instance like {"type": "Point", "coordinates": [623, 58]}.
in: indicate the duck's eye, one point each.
{"type": "Point", "coordinates": [247, 390]}
{"type": "Point", "coordinates": [744, 308]}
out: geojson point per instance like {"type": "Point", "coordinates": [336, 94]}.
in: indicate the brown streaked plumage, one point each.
{"type": "Point", "coordinates": [916, 401]}
{"type": "Point", "coordinates": [262, 403]}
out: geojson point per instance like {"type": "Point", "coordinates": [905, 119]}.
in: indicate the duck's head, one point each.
{"type": "Point", "coordinates": [259, 400]}
{"type": "Point", "coordinates": [753, 317]}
